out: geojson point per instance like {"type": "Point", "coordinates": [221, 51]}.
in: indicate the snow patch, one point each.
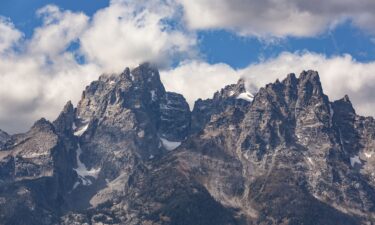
{"type": "Point", "coordinates": [83, 172]}
{"type": "Point", "coordinates": [247, 96]}
{"type": "Point", "coordinates": [76, 185]}
{"type": "Point", "coordinates": [368, 154]}
{"type": "Point", "coordinates": [246, 155]}
{"type": "Point", "coordinates": [341, 142]}
{"type": "Point", "coordinates": [170, 145]}
{"type": "Point", "coordinates": [81, 130]}
{"type": "Point", "coordinates": [153, 95]}
{"type": "Point", "coordinates": [37, 154]}
{"type": "Point", "coordinates": [354, 160]}
{"type": "Point", "coordinates": [310, 161]}
{"type": "Point", "coordinates": [331, 112]}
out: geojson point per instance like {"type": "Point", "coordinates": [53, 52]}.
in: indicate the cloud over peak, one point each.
{"type": "Point", "coordinates": [340, 75]}
{"type": "Point", "coordinates": [139, 34]}
{"type": "Point", "coordinates": [70, 49]}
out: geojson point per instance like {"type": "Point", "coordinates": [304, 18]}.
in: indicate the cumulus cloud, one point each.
{"type": "Point", "coordinates": [340, 75]}
{"type": "Point", "coordinates": [9, 35]}
{"type": "Point", "coordinates": [57, 32]}
{"type": "Point", "coordinates": [278, 18]}
{"type": "Point", "coordinates": [139, 34]}
{"type": "Point", "coordinates": [198, 79]}
{"type": "Point", "coordinates": [40, 75]}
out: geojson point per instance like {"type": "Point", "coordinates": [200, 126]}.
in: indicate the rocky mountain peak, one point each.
{"type": "Point", "coordinates": [133, 153]}
{"type": "Point", "coordinates": [126, 74]}
{"type": "Point", "coordinates": [146, 73]}
{"type": "Point", "coordinates": [344, 105]}
{"type": "Point", "coordinates": [291, 80]}
{"type": "Point", "coordinates": [285, 111]}
{"type": "Point", "coordinates": [134, 89]}
{"type": "Point", "coordinates": [4, 138]}
{"type": "Point", "coordinates": [227, 97]}
{"type": "Point", "coordinates": [42, 125]}
{"type": "Point", "coordinates": [346, 99]}
{"type": "Point", "coordinates": [293, 95]}
{"type": "Point", "coordinates": [64, 122]}
{"type": "Point", "coordinates": [311, 75]}
{"type": "Point", "coordinates": [129, 109]}
{"type": "Point", "coordinates": [230, 91]}
{"type": "Point", "coordinates": [68, 108]}
{"type": "Point", "coordinates": [309, 83]}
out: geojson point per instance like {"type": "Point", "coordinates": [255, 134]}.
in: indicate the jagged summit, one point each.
{"type": "Point", "coordinates": [132, 153]}
{"type": "Point", "coordinates": [64, 122]}
{"type": "Point", "coordinates": [4, 138]}
{"type": "Point", "coordinates": [42, 125]}
{"type": "Point", "coordinates": [346, 99]}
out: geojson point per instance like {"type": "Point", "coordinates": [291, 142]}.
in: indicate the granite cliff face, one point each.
{"type": "Point", "coordinates": [132, 153]}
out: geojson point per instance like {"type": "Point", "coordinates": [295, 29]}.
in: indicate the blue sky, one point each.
{"type": "Point", "coordinates": [216, 45]}
{"type": "Point", "coordinates": [238, 51]}
{"type": "Point", "coordinates": [50, 50]}
{"type": "Point", "coordinates": [22, 12]}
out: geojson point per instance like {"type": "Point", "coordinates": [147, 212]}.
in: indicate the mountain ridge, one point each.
{"type": "Point", "coordinates": [133, 153]}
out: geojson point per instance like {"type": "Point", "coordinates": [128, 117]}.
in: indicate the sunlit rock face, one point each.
{"type": "Point", "coordinates": [132, 153]}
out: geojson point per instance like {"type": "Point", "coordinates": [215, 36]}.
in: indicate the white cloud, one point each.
{"type": "Point", "coordinates": [277, 18]}
{"type": "Point", "coordinates": [339, 75]}
{"type": "Point", "coordinates": [40, 75]}
{"type": "Point", "coordinates": [59, 30]}
{"type": "Point", "coordinates": [197, 79]}
{"type": "Point", "coordinates": [30, 90]}
{"type": "Point", "coordinates": [8, 35]}
{"type": "Point", "coordinates": [128, 34]}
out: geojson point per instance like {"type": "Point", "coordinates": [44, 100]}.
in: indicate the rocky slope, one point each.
{"type": "Point", "coordinates": [133, 153]}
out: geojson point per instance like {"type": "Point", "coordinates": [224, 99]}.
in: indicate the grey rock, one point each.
{"type": "Point", "coordinates": [287, 156]}
{"type": "Point", "coordinates": [64, 123]}
{"type": "Point", "coordinates": [5, 139]}
{"type": "Point", "coordinates": [226, 97]}
{"type": "Point", "coordinates": [175, 117]}
{"type": "Point", "coordinates": [34, 176]}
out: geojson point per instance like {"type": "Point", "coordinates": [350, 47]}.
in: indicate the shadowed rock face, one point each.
{"type": "Point", "coordinates": [133, 153]}
{"type": "Point", "coordinates": [174, 117]}
{"type": "Point", "coordinates": [4, 139]}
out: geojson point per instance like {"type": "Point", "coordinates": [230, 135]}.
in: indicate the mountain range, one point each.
{"type": "Point", "coordinates": [132, 153]}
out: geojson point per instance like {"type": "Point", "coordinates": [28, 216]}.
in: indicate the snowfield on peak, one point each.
{"type": "Point", "coordinates": [355, 160]}
{"type": "Point", "coordinates": [83, 172]}
{"type": "Point", "coordinates": [170, 145]}
{"type": "Point", "coordinates": [247, 96]}
{"type": "Point", "coordinates": [81, 130]}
